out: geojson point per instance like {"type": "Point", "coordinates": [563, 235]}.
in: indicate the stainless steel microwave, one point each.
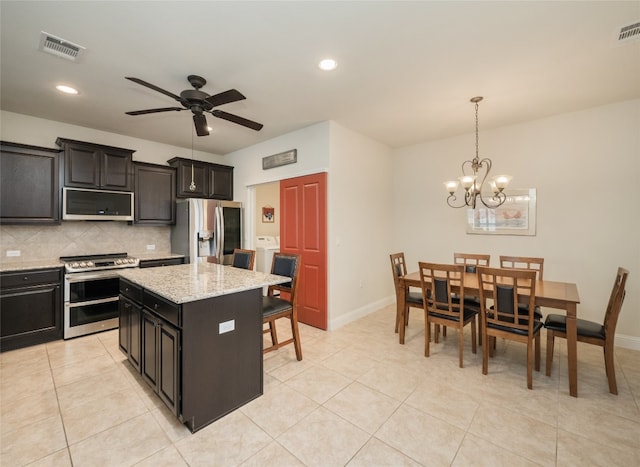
{"type": "Point", "coordinates": [79, 204]}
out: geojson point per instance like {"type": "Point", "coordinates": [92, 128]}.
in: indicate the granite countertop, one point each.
{"type": "Point", "coordinates": [13, 265]}
{"type": "Point", "coordinates": [7, 266]}
{"type": "Point", "coordinates": [191, 282]}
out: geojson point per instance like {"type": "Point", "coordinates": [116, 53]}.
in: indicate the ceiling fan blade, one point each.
{"type": "Point", "coordinates": [232, 95]}
{"type": "Point", "coordinates": [155, 88]}
{"type": "Point", "coordinates": [153, 111]}
{"type": "Point", "coordinates": [236, 119]}
{"type": "Point", "coordinates": [200, 122]}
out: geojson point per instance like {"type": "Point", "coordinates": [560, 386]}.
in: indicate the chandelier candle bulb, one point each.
{"type": "Point", "coordinates": [467, 181]}
{"type": "Point", "coordinates": [452, 186]}
{"type": "Point", "coordinates": [501, 181]}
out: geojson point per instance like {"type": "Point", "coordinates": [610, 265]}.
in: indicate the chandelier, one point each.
{"type": "Point", "coordinates": [473, 182]}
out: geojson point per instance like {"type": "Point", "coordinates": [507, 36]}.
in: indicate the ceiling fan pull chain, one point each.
{"type": "Point", "coordinates": [192, 186]}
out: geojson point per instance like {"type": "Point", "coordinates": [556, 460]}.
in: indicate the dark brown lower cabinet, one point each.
{"type": "Point", "coordinates": [202, 358]}
{"type": "Point", "coordinates": [161, 359]}
{"type": "Point", "coordinates": [30, 307]}
{"type": "Point", "coordinates": [129, 329]}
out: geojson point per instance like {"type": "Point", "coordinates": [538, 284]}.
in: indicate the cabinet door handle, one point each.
{"type": "Point", "coordinates": [155, 306]}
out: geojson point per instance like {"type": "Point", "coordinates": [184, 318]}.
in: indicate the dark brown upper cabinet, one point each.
{"type": "Point", "coordinates": [89, 165]}
{"type": "Point", "coordinates": [155, 194]}
{"type": "Point", "coordinates": [211, 180]}
{"type": "Point", "coordinates": [30, 185]}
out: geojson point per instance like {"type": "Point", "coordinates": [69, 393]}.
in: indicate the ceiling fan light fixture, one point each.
{"type": "Point", "coordinates": [328, 64]}
{"type": "Point", "coordinates": [67, 89]}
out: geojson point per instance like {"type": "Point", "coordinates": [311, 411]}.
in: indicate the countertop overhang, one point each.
{"type": "Point", "coordinates": [191, 282]}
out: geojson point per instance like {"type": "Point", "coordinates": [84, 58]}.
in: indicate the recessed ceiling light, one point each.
{"type": "Point", "coordinates": [328, 64]}
{"type": "Point", "coordinates": [66, 89]}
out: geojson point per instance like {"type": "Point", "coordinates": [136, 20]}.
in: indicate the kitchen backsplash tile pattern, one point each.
{"type": "Point", "coordinates": [81, 237]}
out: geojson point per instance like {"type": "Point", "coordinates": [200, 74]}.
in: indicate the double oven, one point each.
{"type": "Point", "coordinates": [91, 289]}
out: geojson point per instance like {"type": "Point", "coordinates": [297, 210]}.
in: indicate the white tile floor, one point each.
{"type": "Point", "coordinates": [358, 398]}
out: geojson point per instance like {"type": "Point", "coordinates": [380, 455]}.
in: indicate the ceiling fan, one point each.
{"type": "Point", "coordinates": [199, 102]}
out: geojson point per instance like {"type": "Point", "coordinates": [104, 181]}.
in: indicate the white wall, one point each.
{"type": "Point", "coordinates": [360, 228]}
{"type": "Point", "coordinates": [585, 167]}
{"type": "Point", "coordinates": [18, 128]}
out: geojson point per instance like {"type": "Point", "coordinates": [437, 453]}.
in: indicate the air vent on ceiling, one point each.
{"type": "Point", "coordinates": [60, 47]}
{"type": "Point", "coordinates": [629, 33]}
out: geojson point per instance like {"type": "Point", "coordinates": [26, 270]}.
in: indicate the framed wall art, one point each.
{"type": "Point", "coordinates": [516, 216]}
{"type": "Point", "coordinates": [268, 214]}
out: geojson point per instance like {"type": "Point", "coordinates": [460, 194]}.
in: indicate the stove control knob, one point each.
{"type": "Point", "coordinates": [75, 265]}
{"type": "Point", "coordinates": [118, 261]}
{"type": "Point", "coordinates": [90, 264]}
{"type": "Point", "coordinates": [131, 260]}
{"type": "Point", "coordinates": [83, 264]}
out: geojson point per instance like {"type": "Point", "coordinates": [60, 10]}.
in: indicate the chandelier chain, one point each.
{"type": "Point", "coordinates": [477, 152]}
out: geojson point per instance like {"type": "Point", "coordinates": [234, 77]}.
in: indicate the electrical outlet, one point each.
{"type": "Point", "coordinates": [151, 247]}
{"type": "Point", "coordinates": [13, 252]}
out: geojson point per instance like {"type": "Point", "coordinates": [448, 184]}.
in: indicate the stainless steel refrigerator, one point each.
{"type": "Point", "coordinates": [207, 230]}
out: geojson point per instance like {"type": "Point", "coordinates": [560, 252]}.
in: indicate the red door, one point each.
{"type": "Point", "coordinates": [303, 230]}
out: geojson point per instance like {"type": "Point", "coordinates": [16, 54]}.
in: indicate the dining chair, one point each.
{"type": "Point", "coordinates": [284, 305]}
{"type": "Point", "coordinates": [471, 261]}
{"type": "Point", "coordinates": [530, 263]}
{"type": "Point", "coordinates": [442, 307]}
{"type": "Point", "coordinates": [243, 258]}
{"type": "Point", "coordinates": [412, 299]}
{"type": "Point", "coordinates": [591, 332]}
{"type": "Point", "coordinates": [502, 318]}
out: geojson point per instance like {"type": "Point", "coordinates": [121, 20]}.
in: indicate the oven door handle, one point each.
{"type": "Point", "coordinates": [74, 278]}
{"type": "Point", "coordinates": [92, 302]}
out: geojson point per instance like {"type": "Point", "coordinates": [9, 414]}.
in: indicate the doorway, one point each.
{"type": "Point", "coordinates": [300, 218]}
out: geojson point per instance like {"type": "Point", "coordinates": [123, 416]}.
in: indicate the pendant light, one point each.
{"type": "Point", "coordinates": [473, 182]}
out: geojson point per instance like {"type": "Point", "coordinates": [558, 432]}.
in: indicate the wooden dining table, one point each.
{"type": "Point", "coordinates": [551, 294]}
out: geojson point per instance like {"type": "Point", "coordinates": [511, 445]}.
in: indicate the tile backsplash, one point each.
{"type": "Point", "coordinates": [79, 238]}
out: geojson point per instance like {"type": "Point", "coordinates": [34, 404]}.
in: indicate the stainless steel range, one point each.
{"type": "Point", "coordinates": [91, 287]}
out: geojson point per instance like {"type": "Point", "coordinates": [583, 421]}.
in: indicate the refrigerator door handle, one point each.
{"type": "Point", "coordinates": [221, 235]}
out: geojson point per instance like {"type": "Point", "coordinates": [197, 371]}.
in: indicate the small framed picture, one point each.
{"type": "Point", "coordinates": [268, 214]}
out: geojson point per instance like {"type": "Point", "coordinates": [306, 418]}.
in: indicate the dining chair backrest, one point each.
{"type": "Point", "coordinates": [471, 260]}
{"type": "Point", "coordinates": [243, 259]}
{"type": "Point", "coordinates": [615, 303]}
{"type": "Point", "coordinates": [523, 262]}
{"type": "Point", "coordinates": [286, 264]}
{"type": "Point", "coordinates": [503, 287]}
{"type": "Point", "coordinates": [438, 282]}
{"type": "Point", "coordinates": [398, 268]}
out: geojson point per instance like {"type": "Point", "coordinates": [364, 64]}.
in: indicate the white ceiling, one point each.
{"type": "Point", "coordinates": [406, 69]}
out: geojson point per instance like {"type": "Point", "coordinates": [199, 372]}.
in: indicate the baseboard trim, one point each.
{"type": "Point", "coordinates": [360, 312]}
{"type": "Point", "coordinates": [627, 342]}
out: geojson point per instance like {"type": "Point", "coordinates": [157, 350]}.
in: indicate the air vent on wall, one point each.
{"type": "Point", "coordinates": [629, 33]}
{"type": "Point", "coordinates": [60, 47]}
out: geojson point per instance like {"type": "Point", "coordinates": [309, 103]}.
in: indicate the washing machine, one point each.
{"type": "Point", "coordinates": [266, 246]}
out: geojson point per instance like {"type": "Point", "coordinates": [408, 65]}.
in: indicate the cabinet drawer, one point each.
{"type": "Point", "coordinates": [130, 290]}
{"type": "Point", "coordinates": [163, 308]}
{"type": "Point", "coordinates": [33, 277]}
{"type": "Point", "coordinates": [152, 263]}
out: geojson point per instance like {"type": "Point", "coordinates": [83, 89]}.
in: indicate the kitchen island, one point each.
{"type": "Point", "coordinates": [194, 332]}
